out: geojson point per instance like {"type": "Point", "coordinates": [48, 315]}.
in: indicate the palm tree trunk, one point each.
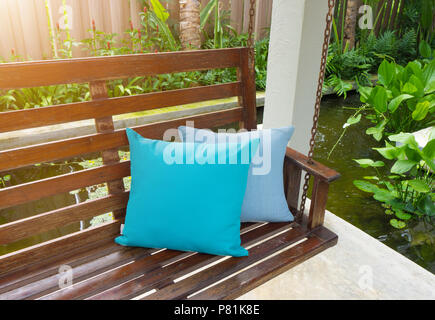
{"type": "Point", "coordinates": [350, 23]}
{"type": "Point", "coordinates": [190, 33]}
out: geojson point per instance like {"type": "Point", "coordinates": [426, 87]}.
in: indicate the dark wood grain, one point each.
{"type": "Point", "coordinates": [316, 168]}
{"type": "Point", "coordinates": [183, 288]}
{"type": "Point", "coordinates": [161, 277]}
{"type": "Point", "coordinates": [318, 203]}
{"type": "Point", "coordinates": [74, 242]}
{"type": "Point", "coordinates": [247, 99]}
{"type": "Point", "coordinates": [81, 70]}
{"type": "Point", "coordinates": [38, 288]}
{"type": "Point", "coordinates": [245, 281]}
{"type": "Point", "coordinates": [292, 184]}
{"type": "Point", "coordinates": [47, 221]}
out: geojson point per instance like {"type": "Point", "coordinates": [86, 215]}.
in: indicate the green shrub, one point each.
{"type": "Point", "coordinates": [403, 99]}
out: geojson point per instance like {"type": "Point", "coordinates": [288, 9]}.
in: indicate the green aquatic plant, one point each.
{"type": "Point", "coordinates": [408, 189]}
{"type": "Point", "coordinates": [403, 99]}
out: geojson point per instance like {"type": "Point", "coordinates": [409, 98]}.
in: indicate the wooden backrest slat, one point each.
{"type": "Point", "coordinates": [82, 70]}
{"type": "Point", "coordinates": [36, 190]}
{"type": "Point", "coordinates": [32, 118]}
{"type": "Point", "coordinates": [21, 229]}
{"type": "Point", "coordinates": [62, 149]}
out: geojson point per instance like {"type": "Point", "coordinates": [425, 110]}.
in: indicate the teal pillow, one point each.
{"type": "Point", "coordinates": [186, 196]}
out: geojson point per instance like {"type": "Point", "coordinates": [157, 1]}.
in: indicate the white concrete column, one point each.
{"type": "Point", "coordinates": [296, 40]}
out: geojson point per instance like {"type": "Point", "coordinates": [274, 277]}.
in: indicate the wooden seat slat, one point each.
{"type": "Point", "coordinates": [161, 277]}
{"type": "Point", "coordinates": [51, 151]}
{"type": "Point", "coordinates": [69, 244]}
{"type": "Point", "coordinates": [93, 267]}
{"type": "Point", "coordinates": [143, 263]}
{"type": "Point", "coordinates": [81, 70]}
{"type": "Point", "coordinates": [45, 268]}
{"type": "Point", "coordinates": [117, 276]}
{"type": "Point", "coordinates": [85, 265]}
{"type": "Point", "coordinates": [255, 276]}
{"type": "Point", "coordinates": [21, 229]}
{"type": "Point", "coordinates": [182, 289]}
{"type": "Point", "coordinates": [38, 117]}
{"type": "Point", "coordinates": [36, 190]}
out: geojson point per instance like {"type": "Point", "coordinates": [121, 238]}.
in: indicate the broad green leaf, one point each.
{"type": "Point", "coordinates": [402, 215]}
{"type": "Point", "coordinates": [429, 72]}
{"type": "Point", "coordinates": [395, 103]}
{"type": "Point", "coordinates": [377, 131]}
{"type": "Point", "coordinates": [365, 163]}
{"type": "Point", "coordinates": [397, 224]}
{"type": "Point", "coordinates": [365, 93]}
{"type": "Point", "coordinates": [159, 10]}
{"type": "Point", "coordinates": [386, 72]}
{"type": "Point", "coordinates": [412, 154]}
{"type": "Point", "coordinates": [418, 84]}
{"type": "Point", "coordinates": [206, 12]}
{"type": "Point", "coordinates": [409, 88]}
{"type": "Point", "coordinates": [383, 195]}
{"type": "Point", "coordinates": [430, 87]}
{"type": "Point", "coordinates": [402, 166]}
{"type": "Point", "coordinates": [389, 152]}
{"type": "Point", "coordinates": [371, 178]}
{"type": "Point", "coordinates": [429, 149]}
{"type": "Point", "coordinates": [419, 185]}
{"type": "Point", "coordinates": [353, 120]}
{"type": "Point", "coordinates": [365, 186]}
{"type": "Point", "coordinates": [417, 71]}
{"type": "Point", "coordinates": [380, 99]}
{"type": "Point", "coordinates": [432, 134]}
{"type": "Point", "coordinates": [427, 206]}
{"type": "Point", "coordinates": [405, 138]}
{"type": "Point", "coordinates": [421, 110]}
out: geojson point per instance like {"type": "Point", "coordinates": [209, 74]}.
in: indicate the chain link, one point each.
{"type": "Point", "coordinates": [250, 42]}
{"type": "Point", "coordinates": [327, 34]}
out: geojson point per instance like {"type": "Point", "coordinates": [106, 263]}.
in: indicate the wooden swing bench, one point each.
{"type": "Point", "coordinates": [102, 269]}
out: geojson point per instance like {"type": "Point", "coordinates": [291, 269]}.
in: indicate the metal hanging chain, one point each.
{"type": "Point", "coordinates": [327, 34]}
{"type": "Point", "coordinates": [250, 42]}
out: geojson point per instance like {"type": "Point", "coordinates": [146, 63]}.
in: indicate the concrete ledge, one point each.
{"type": "Point", "coordinates": [358, 267]}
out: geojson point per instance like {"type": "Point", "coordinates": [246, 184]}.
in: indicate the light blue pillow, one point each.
{"type": "Point", "coordinates": [264, 198]}
{"type": "Point", "coordinates": [180, 202]}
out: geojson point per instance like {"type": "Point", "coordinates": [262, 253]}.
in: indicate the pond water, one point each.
{"type": "Point", "coordinates": [359, 208]}
{"type": "Point", "coordinates": [416, 241]}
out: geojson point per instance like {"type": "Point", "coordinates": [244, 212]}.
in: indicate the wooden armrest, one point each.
{"type": "Point", "coordinates": [316, 168]}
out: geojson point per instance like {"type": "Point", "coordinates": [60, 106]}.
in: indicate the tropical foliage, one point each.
{"type": "Point", "coordinates": [403, 99]}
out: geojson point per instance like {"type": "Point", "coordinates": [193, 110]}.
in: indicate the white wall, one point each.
{"type": "Point", "coordinates": [294, 61]}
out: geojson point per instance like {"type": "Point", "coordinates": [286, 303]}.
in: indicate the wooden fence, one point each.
{"type": "Point", "coordinates": [25, 30]}
{"type": "Point", "coordinates": [386, 13]}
